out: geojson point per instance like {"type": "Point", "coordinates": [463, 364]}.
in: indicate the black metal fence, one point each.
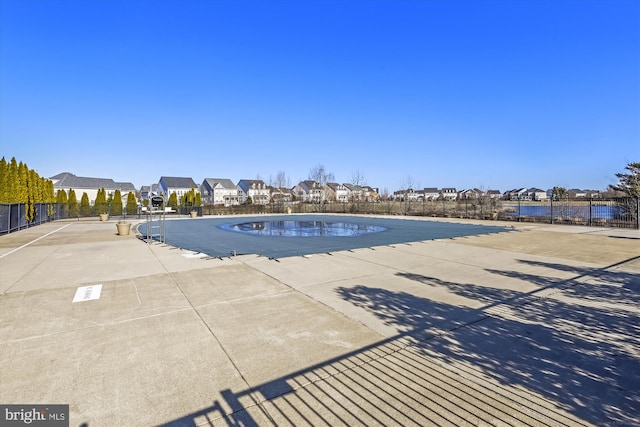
{"type": "Point", "coordinates": [13, 216]}
{"type": "Point", "coordinates": [620, 212]}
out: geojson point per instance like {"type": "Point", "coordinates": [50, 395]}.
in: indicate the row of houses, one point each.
{"type": "Point", "coordinates": [447, 193]}
{"type": "Point", "coordinates": [524, 194]}
{"type": "Point", "coordinates": [222, 191]}
{"type": "Point", "coordinates": [536, 194]}
{"type": "Point", "coordinates": [80, 184]}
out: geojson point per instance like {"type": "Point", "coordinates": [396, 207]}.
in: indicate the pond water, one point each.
{"type": "Point", "coordinates": [290, 228]}
{"type": "Point", "coordinates": [605, 212]}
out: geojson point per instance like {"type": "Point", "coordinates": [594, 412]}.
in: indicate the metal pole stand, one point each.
{"type": "Point", "coordinates": [156, 221]}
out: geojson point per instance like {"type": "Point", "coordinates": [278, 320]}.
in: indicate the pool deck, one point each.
{"type": "Point", "coordinates": [537, 326]}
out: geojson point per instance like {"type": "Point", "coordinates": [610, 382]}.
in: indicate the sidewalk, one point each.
{"type": "Point", "coordinates": [532, 327]}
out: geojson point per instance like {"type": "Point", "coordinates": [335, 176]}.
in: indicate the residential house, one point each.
{"type": "Point", "coordinates": [431, 193]}
{"type": "Point", "coordinates": [145, 192]}
{"type": "Point", "coordinates": [407, 195]}
{"type": "Point", "coordinates": [356, 192]}
{"type": "Point", "coordinates": [220, 191]}
{"type": "Point", "coordinates": [516, 194]}
{"type": "Point", "coordinates": [371, 194]}
{"type": "Point", "coordinates": [472, 193]}
{"type": "Point", "coordinates": [536, 194]}
{"type": "Point", "coordinates": [255, 189]}
{"type": "Point", "coordinates": [335, 192]}
{"type": "Point", "coordinates": [494, 194]}
{"type": "Point", "coordinates": [148, 191]}
{"type": "Point", "coordinates": [281, 195]}
{"type": "Point", "coordinates": [449, 193]}
{"type": "Point", "coordinates": [172, 184]}
{"type": "Point", "coordinates": [309, 191]}
{"type": "Point", "coordinates": [80, 184]}
{"type": "Point", "coordinates": [576, 193]}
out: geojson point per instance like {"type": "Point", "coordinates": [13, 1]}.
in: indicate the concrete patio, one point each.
{"type": "Point", "coordinates": [536, 326]}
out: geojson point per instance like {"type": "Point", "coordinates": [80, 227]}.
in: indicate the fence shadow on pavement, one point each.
{"type": "Point", "coordinates": [566, 353]}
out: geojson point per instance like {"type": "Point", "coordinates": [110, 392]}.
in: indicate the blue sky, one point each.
{"type": "Point", "coordinates": [491, 94]}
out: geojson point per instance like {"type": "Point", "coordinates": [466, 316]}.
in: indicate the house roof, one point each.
{"type": "Point", "coordinates": [249, 182]}
{"type": "Point", "coordinates": [69, 180]}
{"type": "Point", "coordinates": [177, 182]}
{"type": "Point", "coordinates": [309, 185]}
{"type": "Point", "coordinates": [353, 187]}
{"type": "Point", "coordinates": [431, 190]}
{"type": "Point", "coordinates": [126, 186]}
{"type": "Point", "coordinates": [336, 186]}
{"type": "Point", "coordinates": [224, 183]}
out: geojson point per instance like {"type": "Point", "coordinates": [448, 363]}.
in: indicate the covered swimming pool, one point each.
{"type": "Point", "coordinates": [280, 236]}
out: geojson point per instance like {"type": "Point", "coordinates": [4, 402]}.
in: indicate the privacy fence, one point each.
{"type": "Point", "coordinates": [619, 212]}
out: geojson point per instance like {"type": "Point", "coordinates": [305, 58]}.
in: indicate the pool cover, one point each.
{"type": "Point", "coordinates": [210, 237]}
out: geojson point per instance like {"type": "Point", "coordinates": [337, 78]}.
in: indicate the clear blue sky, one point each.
{"type": "Point", "coordinates": [492, 94]}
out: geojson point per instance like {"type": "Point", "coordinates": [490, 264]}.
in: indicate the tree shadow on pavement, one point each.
{"type": "Point", "coordinates": [578, 344]}
{"type": "Point", "coordinates": [521, 358]}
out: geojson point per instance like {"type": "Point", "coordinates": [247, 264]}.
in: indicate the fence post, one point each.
{"type": "Point", "coordinates": [590, 208]}
{"type": "Point", "coordinates": [551, 209]}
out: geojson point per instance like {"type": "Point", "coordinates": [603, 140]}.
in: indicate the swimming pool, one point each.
{"type": "Point", "coordinates": [296, 228]}
{"type": "Point", "coordinates": [223, 236]}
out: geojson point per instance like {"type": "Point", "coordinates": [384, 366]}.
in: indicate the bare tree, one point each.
{"type": "Point", "coordinates": [559, 193]}
{"type": "Point", "coordinates": [357, 178]}
{"type": "Point", "coordinates": [282, 181]}
{"type": "Point", "coordinates": [407, 186]}
{"type": "Point", "coordinates": [278, 184]}
{"type": "Point", "coordinates": [320, 175]}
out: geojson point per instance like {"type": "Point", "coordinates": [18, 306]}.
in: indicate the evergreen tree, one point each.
{"type": "Point", "coordinates": [22, 195]}
{"type": "Point", "coordinates": [173, 201]}
{"type": "Point", "coordinates": [33, 194]}
{"type": "Point", "coordinates": [73, 203]}
{"type": "Point", "coordinates": [4, 173]}
{"type": "Point", "coordinates": [132, 205]}
{"type": "Point", "coordinates": [85, 207]}
{"type": "Point", "coordinates": [629, 182]}
{"type": "Point", "coordinates": [19, 184]}
{"type": "Point", "coordinates": [12, 181]}
{"type": "Point", "coordinates": [116, 204]}
{"type": "Point", "coordinates": [189, 198]}
{"type": "Point", "coordinates": [42, 186]}
{"type": "Point", "coordinates": [101, 202]}
{"type": "Point", "coordinates": [198, 199]}
{"type": "Point", "coordinates": [50, 197]}
{"type": "Point", "coordinates": [62, 201]}
{"type": "Point", "coordinates": [61, 197]}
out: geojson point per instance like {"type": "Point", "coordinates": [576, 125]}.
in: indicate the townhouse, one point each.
{"type": "Point", "coordinates": [254, 189]}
